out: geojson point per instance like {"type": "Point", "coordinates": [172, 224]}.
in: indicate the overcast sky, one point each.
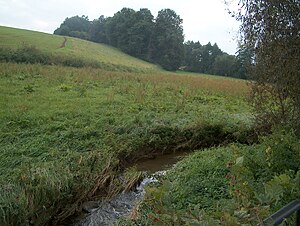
{"type": "Point", "coordinates": [203, 20]}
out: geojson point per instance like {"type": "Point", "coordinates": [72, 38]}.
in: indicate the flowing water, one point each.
{"type": "Point", "coordinates": [107, 212]}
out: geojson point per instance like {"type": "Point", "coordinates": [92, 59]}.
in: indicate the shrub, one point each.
{"type": "Point", "coordinates": [265, 177]}
{"type": "Point", "coordinates": [24, 54]}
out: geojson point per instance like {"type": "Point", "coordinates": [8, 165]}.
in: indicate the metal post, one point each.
{"type": "Point", "coordinates": [298, 218]}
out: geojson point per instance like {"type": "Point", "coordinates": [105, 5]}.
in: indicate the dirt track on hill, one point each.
{"type": "Point", "coordinates": [63, 45]}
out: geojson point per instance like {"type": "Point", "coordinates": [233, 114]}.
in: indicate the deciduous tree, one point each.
{"type": "Point", "coordinates": [271, 28]}
{"type": "Point", "coordinates": [75, 26]}
{"type": "Point", "coordinates": [97, 30]}
{"type": "Point", "coordinates": [167, 43]}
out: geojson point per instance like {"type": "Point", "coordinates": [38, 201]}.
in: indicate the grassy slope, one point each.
{"type": "Point", "coordinates": [60, 128]}
{"type": "Point", "coordinates": [14, 38]}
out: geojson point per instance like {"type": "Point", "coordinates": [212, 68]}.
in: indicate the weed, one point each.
{"type": "Point", "coordinates": [65, 88]}
{"type": "Point", "coordinates": [29, 88]}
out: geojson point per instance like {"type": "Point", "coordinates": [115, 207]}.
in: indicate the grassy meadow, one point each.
{"type": "Point", "coordinates": [68, 133]}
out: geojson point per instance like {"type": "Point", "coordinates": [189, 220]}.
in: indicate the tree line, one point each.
{"type": "Point", "coordinates": [158, 40]}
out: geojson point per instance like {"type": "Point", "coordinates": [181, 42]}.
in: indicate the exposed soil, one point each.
{"type": "Point", "coordinates": [63, 45]}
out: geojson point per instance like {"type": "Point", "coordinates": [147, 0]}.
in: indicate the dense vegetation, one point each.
{"type": "Point", "coordinates": [244, 184]}
{"type": "Point", "coordinates": [235, 185]}
{"type": "Point", "coordinates": [67, 133]}
{"type": "Point", "coordinates": [158, 40]}
{"type": "Point", "coordinates": [210, 59]}
{"type": "Point", "coordinates": [271, 29]}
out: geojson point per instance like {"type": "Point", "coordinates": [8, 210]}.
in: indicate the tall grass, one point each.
{"type": "Point", "coordinates": [65, 132]}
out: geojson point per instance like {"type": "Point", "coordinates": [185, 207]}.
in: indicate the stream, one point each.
{"type": "Point", "coordinates": [105, 213]}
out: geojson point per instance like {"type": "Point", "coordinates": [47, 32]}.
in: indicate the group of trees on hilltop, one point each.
{"type": "Point", "coordinates": [75, 26]}
{"type": "Point", "coordinates": [159, 40]}
{"type": "Point", "coordinates": [137, 33]}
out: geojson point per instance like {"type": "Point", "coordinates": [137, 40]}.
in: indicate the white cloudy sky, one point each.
{"type": "Point", "coordinates": [203, 20]}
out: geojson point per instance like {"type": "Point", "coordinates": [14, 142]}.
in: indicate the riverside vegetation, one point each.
{"type": "Point", "coordinates": [67, 134]}
{"type": "Point", "coordinates": [233, 185]}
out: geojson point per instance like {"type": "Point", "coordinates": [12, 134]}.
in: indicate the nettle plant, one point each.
{"type": "Point", "coordinates": [265, 177]}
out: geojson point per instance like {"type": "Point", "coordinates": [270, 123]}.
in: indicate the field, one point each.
{"type": "Point", "coordinates": [63, 129]}
{"type": "Point", "coordinates": [67, 134]}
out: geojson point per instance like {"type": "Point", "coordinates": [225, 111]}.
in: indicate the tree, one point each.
{"type": "Point", "coordinates": [271, 28]}
{"type": "Point", "coordinates": [75, 26]}
{"type": "Point", "coordinates": [117, 28]}
{"type": "Point", "coordinates": [140, 34]}
{"type": "Point", "coordinates": [193, 56]}
{"type": "Point", "coordinates": [198, 58]}
{"type": "Point", "coordinates": [131, 31]}
{"type": "Point", "coordinates": [167, 42]}
{"type": "Point", "coordinates": [209, 55]}
{"type": "Point", "coordinates": [97, 30]}
{"type": "Point", "coordinates": [245, 58]}
{"type": "Point", "coordinates": [225, 65]}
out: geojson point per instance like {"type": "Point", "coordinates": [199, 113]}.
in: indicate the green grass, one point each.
{"type": "Point", "coordinates": [64, 130]}
{"type": "Point", "coordinates": [232, 185]}
{"type": "Point", "coordinates": [66, 133]}
{"type": "Point", "coordinates": [193, 190]}
{"type": "Point", "coordinates": [85, 50]}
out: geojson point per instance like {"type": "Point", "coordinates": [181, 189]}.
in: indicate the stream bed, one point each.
{"type": "Point", "coordinates": [105, 213]}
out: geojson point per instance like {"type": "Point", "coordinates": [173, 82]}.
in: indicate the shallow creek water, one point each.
{"type": "Point", "coordinates": [107, 212]}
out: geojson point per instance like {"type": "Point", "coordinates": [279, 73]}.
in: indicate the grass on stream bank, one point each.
{"type": "Point", "coordinates": [67, 133]}
{"type": "Point", "coordinates": [233, 185]}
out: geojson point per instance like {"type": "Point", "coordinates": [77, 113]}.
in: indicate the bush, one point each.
{"type": "Point", "coordinates": [30, 54]}
{"type": "Point", "coordinates": [24, 54]}
{"type": "Point", "coordinates": [203, 175]}
{"type": "Point", "coordinates": [265, 177]}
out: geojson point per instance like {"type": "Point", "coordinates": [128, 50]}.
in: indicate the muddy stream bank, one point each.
{"type": "Point", "coordinates": [102, 213]}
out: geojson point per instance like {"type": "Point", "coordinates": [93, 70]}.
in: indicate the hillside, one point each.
{"type": "Point", "coordinates": [58, 45]}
